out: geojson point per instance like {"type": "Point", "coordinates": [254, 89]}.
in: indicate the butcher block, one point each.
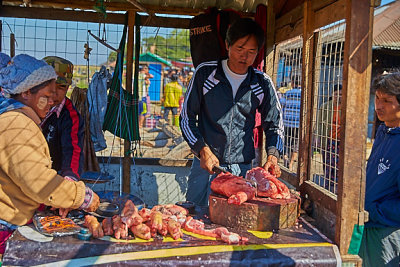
{"type": "Point", "coordinates": [261, 214]}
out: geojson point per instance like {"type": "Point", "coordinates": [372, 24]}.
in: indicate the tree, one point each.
{"type": "Point", "coordinates": [175, 47]}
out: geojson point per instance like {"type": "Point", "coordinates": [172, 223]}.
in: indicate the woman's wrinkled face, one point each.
{"type": "Point", "coordinates": [387, 109]}
{"type": "Point", "coordinates": [42, 101]}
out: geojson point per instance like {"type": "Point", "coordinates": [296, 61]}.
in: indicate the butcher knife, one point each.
{"type": "Point", "coordinates": [218, 169]}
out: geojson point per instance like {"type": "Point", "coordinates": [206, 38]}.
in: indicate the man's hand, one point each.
{"type": "Point", "coordinates": [272, 166]}
{"type": "Point", "coordinates": [208, 160]}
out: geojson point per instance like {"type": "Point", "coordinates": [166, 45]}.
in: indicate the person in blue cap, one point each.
{"type": "Point", "coordinates": [26, 177]}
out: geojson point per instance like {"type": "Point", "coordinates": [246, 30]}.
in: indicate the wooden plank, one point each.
{"type": "Point", "coordinates": [326, 12]}
{"type": "Point", "coordinates": [126, 168]}
{"type": "Point", "coordinates": [317, 194]}
{"type": "Point", "coordinates": [291, 178]}
{"type": "Point", "coordinates": [58, 14]}
{"type": "Point", "coordinates": [89, 16]}
{"type": "Point", "coordinates": [335, 12]}
{"type": "Point", "coordinates": [269, 62]}
{"type": "Point", "coordinates": [168, 22]}
{"type": "Point", "coordinates": [111, 6]}
{"type": "Point", "coordinates": [74, 4]}
{"type": "Point", "coordinates": [307, 71]}
{"type": "Point", "coordinates": [355, 96]}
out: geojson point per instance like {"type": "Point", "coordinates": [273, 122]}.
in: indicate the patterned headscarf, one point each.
{"type": "Point", "coordinates": [23, 73]}
{"type": "Point", "coordinates": [64, 69]}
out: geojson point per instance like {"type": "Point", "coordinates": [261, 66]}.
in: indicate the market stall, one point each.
{"type": "Point", "coordinates": [300, 246]}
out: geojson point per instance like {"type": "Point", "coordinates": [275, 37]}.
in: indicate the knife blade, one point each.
{"type": "Point", "coordinates": [218, 169]}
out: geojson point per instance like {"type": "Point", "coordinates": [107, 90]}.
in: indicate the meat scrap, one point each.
{"type": "Point", "coordinates": [142, 231]}
{"type": "Point", "coordinates": [145, 214]}
{"type": "Point", "coordinates": [197, 227]}
{"type": "Point", "coordinates": [174, 229]}
{"type": "Point", "coordinates": [120, 229]}
{"type": "Point", "coordinates": [107, 226]}
{"type": "Point", "coordinates": [130, 215]}
{"type": "Point", "coordinates": [235, 188]}
{"type": "Point", "coordinates": [267, 184]}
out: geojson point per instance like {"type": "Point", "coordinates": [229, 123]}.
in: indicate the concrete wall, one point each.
{"type": "Point", "coordinates": [154, 184]}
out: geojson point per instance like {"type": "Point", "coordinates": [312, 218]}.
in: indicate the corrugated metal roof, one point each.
{"type": "Point", "coordinates": [390, 37]}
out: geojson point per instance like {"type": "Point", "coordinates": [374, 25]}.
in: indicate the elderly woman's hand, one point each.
{"type": "Point", "coordinates": [94, 204]}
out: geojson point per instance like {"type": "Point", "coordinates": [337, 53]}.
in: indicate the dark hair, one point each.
{"type": "Point", "coordinates": [388, 84]}
{"type": "Point", "coordinates": [295, 81]}
{"type": "Point", "coordinates": [337, 87]}
{"type": "Point", "coordinates": [245, 27]}
{"type": "Point", "coordinates": [174, 77]}
{"type": "Point", "coordinates": [36, 88]}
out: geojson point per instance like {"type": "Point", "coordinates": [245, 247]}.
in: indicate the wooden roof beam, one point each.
{"type": "Point", "coordinates": [290, 25]}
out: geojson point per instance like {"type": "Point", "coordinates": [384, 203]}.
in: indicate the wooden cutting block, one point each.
{"type": "Point", "coordinates": [259, 214]}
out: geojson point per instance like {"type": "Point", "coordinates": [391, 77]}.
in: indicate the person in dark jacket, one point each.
{"type": "Point", "coordinates": [380, 244]}
{"type": "Point", "coordinates": [218, 115]}
{"type": "Point", "coordinates": [63, 126]}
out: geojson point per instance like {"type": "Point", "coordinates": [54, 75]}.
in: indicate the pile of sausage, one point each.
{"type": "Point", "coordinates": [161, 219]}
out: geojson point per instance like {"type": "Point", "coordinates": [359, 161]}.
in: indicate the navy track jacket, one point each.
{"type": "Point", "coordinates": [211, 116]}
{"type": "Point", "coordinates": [65, 138]}
{"type": "Point", "coordinates": [382, 190]}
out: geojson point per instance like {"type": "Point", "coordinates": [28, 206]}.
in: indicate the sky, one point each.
{"type": "Point", "coordinates": [384, 2]}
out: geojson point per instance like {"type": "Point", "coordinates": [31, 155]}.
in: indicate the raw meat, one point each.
{"type": "Point", "coordinates": [142, 231]}
{"type": "Point", "coordinates": [235, 188]}
{"type": "Point", "coordinates": [197, 227]}
{"type": "Point", "coordinates": [107, 226]}
{"type": "Point", "coordinates": [267, 184]}
{"type": "Point", "coordinates": [120, 229]}
{"type": "Point", "coordinates": [130, 215]}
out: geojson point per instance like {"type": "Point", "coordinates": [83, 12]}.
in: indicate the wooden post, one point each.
{"type": "Point", "coordinates": [126, 181]}
{"type": "Point", "coordinates": [12, 45]}
{"type": "Point", "coordinates": [353, 134]}
{"type": "Point", "coordinates": [269, 61]}
{"type": "Point", "coordinates": [307, 92]}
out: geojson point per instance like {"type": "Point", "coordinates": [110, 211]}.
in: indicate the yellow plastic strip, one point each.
{"type": "Point", "coordinates": [198, 236]}
{"type": "Point", "coordinates": [170, 239]}
{"type": "Point", "coordinates": [260, 234]}
{"type": "Point", "coordinates": [173, 252]}
{"type": "Point", "coordinates": [136, 240]}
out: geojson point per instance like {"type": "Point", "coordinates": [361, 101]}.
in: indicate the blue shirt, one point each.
{"type": "Point", "coordinates": [382, 193]}
{"type": "Point", "coordinates": [291, 108]}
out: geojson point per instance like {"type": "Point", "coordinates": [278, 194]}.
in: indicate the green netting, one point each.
{"type": "Point", "coordinates": [121, 117]}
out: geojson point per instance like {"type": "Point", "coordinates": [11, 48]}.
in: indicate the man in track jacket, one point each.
{"type": "Point", "coordinates": [218, 114]}
{"type": "Point", "coordinates": [380, 244]}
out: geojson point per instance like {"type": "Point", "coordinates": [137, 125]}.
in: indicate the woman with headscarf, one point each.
{"type": "Point", "coordinates": [26, 177]}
